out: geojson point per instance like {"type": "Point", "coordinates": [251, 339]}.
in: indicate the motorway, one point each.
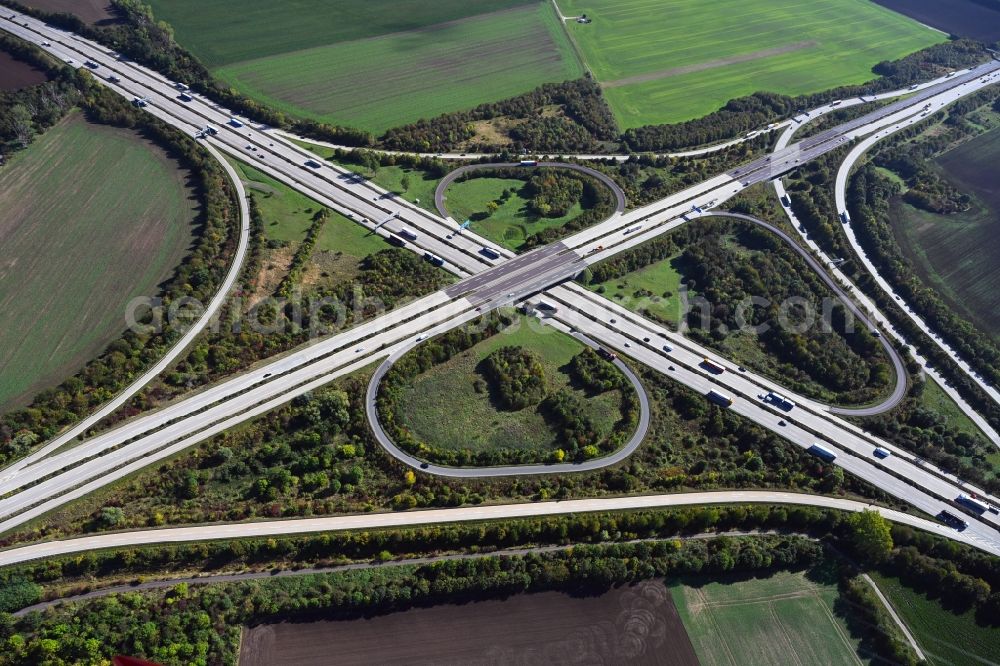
{"type": "Point", "coordinates": [369, 521]}
{"type": "Point", "coordinates": [491, 281]}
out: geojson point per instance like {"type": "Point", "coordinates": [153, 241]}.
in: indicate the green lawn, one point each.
{"type": "Point", "coordinates": [783, 619]}
{"type": "Point", "coordinates": [90, 217]}
{"type": "Point", "coordinates": [935, 399]}
{"type": "Point", "coordinates": [429, 408]}
{"type": "Point", "coordinates": [958, 255]}
{"type": "Point", "coordinates": [512, 222]}
{"type": "Point", "coordinates": [382, 81]}
{"type": "Point", "coordinates": [948, 639]}
{"type": "Point", "coordinates": [662, 279]}
{"type": "Point", "coordinates": [694, 56]}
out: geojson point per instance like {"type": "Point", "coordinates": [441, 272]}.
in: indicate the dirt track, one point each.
{"type": "Point", "coordinates": [634, 625]}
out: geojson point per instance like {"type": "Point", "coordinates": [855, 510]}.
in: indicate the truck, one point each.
{"type": "Point", "coordinates": [209, 129]}
{"type": "Point", "coordinates": [972, 503]}
{"type": "Point", "coordinates": [836, 102]}
{"type": "Point", "coordinates": [822, 452]}
{"type": "Point", "coordinates": [632, 230]}
{"type": "Point", "coordinates": [184, 97]}
{"type": "Point", "coordinates": [396, 240]}
{"type": "Point", "coordinates": [780, 401]}
{"type": "Point", "coordinates": [712, 366]}
{"type": "Point", "coordinates": [407, 233]}
{"type": "Point", "coordinates": [720, 399]}
{"type": "Point", "coordinates": [489, 252]}
{"type": "Point", "coordinates": [235, 122]}
{"type": "Point", "coordinates": [529, 163]}
{"type": "Point", "coordinates": [948, 518]}
{"type": "Point", "coordinates": [607, 355]}
{"type": "Point", "coordinates": [434, 259]}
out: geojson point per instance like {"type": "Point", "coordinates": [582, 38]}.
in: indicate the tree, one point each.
{"type": "Point", "coordinates": [405, 183]}
{"type": "Point", "coordinates": [871, 535]}
{"type": "Point", "coordinates": [409, 478]}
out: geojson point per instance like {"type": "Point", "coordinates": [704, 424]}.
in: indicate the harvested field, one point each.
{"type": "Point", "coordinates": [15, 74]}
{"type": "Point", "coordinates": [634, 625]}
{"type": "Point", "coordinates": [964, 18]}
{"type": "Point", "coordinates": [384, 81]}
{"type": "Point", "coordinates": [90, 11]}
{"type": "Point", "coordinates": [77, 242]}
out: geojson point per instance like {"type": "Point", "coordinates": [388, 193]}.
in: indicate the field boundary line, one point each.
{"type": "Point", "coordinates": [898, 620]}
{"type": "Point", "coordinates": [784, 633]}
{"type": "Point", "coordinates": [836, 625]}
{"type": "Point", "coordinates": [572, 42]}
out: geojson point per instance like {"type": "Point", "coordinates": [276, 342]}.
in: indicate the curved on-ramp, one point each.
{"type": "Point", "coordinates": [452, 176]}
{"type": "Point", "coordinates": [507, 470]}
{"type": "Point", "coordinates": [899, 389]}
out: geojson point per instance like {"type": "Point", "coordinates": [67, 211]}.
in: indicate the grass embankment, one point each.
{"type": "Point", "coordinates": [340, 247]}
{"type": "Point", "coordinates": [947, 638]}
{"type": "Point", "coordinates": [786, 618]}
{"type": "Point", "coordinates": [670, 61]}
{"type": "Point", "coordinates": [511, 223]}
{"type": "Point", "coordinates": [444, 409]}
{"type": "Point", "coordinates": [379, 64]}
{"type": "Point", "coordinates": [958, 254]}
{"type": "Point", "coordinates": [662, 279]}
{"type": "Point", "coordinates": [90, 217]}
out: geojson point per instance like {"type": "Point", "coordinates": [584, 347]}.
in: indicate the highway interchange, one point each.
{"type": "Point", "coordinates": [491, 277]}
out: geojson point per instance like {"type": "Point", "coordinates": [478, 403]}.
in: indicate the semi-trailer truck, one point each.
{"type": "Point", "coordinates": [822, 452]}
{"type": "Point", "coordinates": [712, 366]}
{"type": "Point", "coordinates": [972, 503]}
{"type": "Point", "coordinates": [720, 399]}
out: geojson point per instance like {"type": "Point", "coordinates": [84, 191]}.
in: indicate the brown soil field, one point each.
{"type": "Point", "coordinates": [965, 18]}
{"type": "Point", "coordinates": [15, 74]}
{"type": "Point", "coordinates": [636, 625]}
{"type": "Point", "coordinates": [91, 11]}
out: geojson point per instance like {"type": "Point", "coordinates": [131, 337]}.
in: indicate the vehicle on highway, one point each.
{"type": "Point", "coordinates": [782, 422]}
{"type": "Point", "coordinates": [235, 122]}
{"type": "Point", "coordinates": [407, 233]}
{"type": "Point", "coordinates": [880, 452]}
{"type": "Point", "coordinates": [489, 252]}
{"type": "Point", "coordinates": [712, 366]}
{"type": "Point", "coordinates": [973, 503]}
{"type": "Point", "coordinates": [720, 399]}
{"type": "Point", "coordinates": [948, 518]}
{"type": "Point", "coordinates": [667, 348]}
{"type": "Point", "coordinates": [91, 64]}
{"type": "Point", "coordinates": [113, 78]}
{"type": "Point", "coordinates": [313, 164]}
{"type": "Point", "coordinates": [184, 97]}
{"type": "Point", "coordinates": [822, 452]}
{"type": "Point", "coordinates": [606, 354]}
{"type": "Point", "coordinates": [779, 401]}
{"type": "Point", "coordinates": [396, 240]}
{"type": "Point", "coordinates": [529, 163]}
{"type": "Point", "coordinates": [434, 259]}
{"type": "Point", "coordinates": [632, 230]}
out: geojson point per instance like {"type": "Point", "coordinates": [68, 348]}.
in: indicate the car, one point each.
{"type": "Point", "coordinates": [782, 422]}
{"type": "Point", "coordinates": [670, 367]}
{"type": "Point", "coordinates": [46, 43]}
{"type": "Point", "coordinates": [881, 453]}
{"type": "Point", "coordinates": [423, 465]}
{"type": "Point", "coordinates": [667, 348]}
{"type": "Point", "coordinates": [359, 350]}
{"type": "Point", "coordinates": [628, 344]}
{"type": "Point", "coordinates": [266, 375]}
{"type": "Point", "coordinates": [741, 368]}
{"type": "Point", "coordinates": [645, 339]}
{"type": "Point", "coordinates": [614, 321]}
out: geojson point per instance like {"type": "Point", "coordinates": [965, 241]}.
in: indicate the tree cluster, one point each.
{"type": "Point", "coordinates": [554, 193]}
{"type": "Point", "coordinates": [585, 120]}
{"type": "Point", "coordinates": [517, 377]}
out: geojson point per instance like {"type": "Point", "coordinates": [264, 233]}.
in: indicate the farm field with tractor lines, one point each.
{"type": "Point", "coordinates": [76, 244]}
{"type": "Point", "coordinates": [669, 61]}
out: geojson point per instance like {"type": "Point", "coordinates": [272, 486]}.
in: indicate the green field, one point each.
{"type": "Point", "coordinates": [661, 278]}
{"type": "Point", "coordinates": [512, 223]}
{"type": "Point", "coordinates": [90, 217]}
{"type": "Point", "coordinates": [664, 61]}
{"type": "Point", "coordinates": [382, 81]}
{"type": "Point", "coordinates": [781, 620]}
{"type": "Point", "coordinates": [958, 254]}
{"type": "Point", "coordinates": [948, 639]}
{"type": "Point", "coordinates": [430, 406]}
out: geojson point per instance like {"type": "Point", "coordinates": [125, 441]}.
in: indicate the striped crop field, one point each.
{"type": "Point", "coordinates": [664, 61]}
